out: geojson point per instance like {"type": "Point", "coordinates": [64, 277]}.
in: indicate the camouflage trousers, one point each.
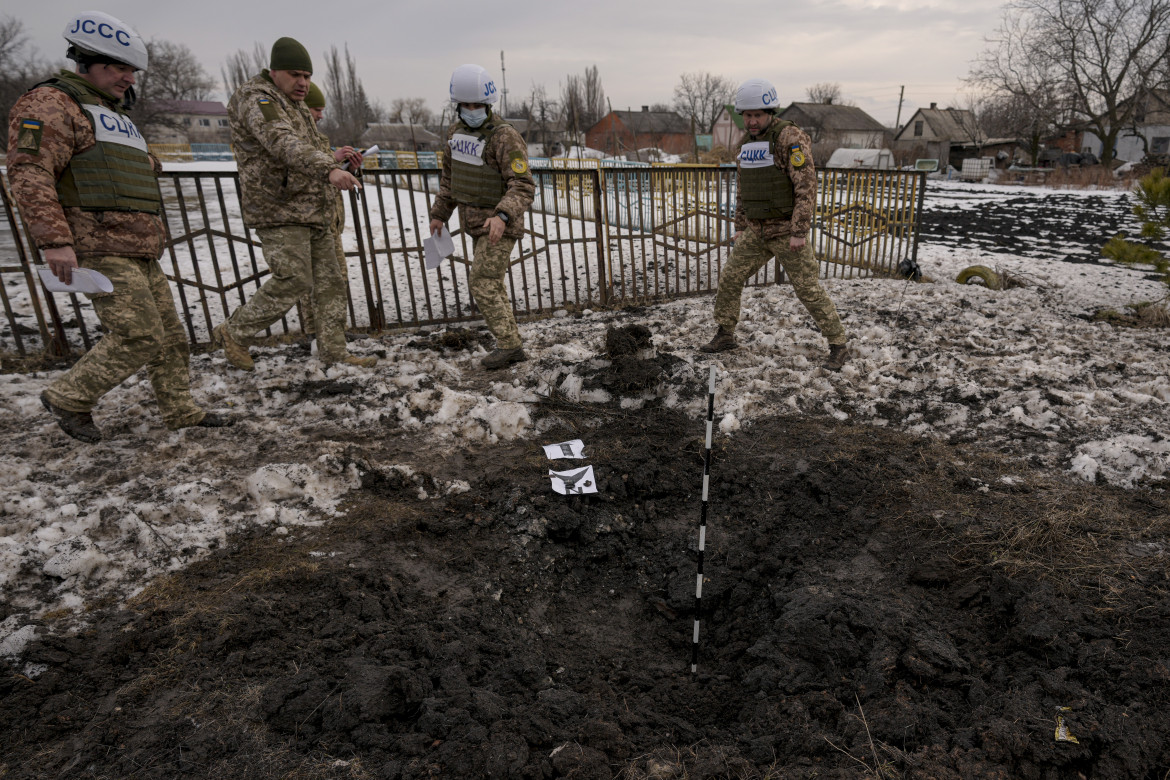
{"type": "Point", "coordinates": [750, 254]}
{"type": "Point", "coordinates": [302, 260]}
{"type": "Point", "coordinates": [142, 328]}
{"type": "Point", "coordinates": [488, 270]}
{"type": "Point", "coordinates": [308, 321]}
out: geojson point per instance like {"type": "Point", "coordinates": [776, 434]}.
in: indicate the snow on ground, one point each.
{"type": "Point", "coordinates": [1021, 371]}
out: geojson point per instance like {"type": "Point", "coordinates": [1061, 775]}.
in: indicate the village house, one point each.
{"type": "Point", "coordinates": [948, 135]}
{"type": "Point", "coordinates": [1147, 134]}
{"type": "Point", "coordinates": [188, 122]}
{"type": "Point", "coordinates": [838, 126]}
{"type": "Point", "coordinates": [626, 132]}
{"type": "Point", "coordinates": [727, 128]}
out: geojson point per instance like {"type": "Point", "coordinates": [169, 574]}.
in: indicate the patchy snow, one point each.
{"type": "Point", "coordinates": [1021, 371]}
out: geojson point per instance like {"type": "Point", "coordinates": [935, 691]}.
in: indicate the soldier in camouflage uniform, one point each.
{"type": "Point", "coordinates": [315, 102]}
{"type": "Point", "coordinates": [88, 191]}
{"type": "Point", "coordinates": [288, 183]}
{"type": "Point", "coordinates": [485, 174]}
{"type": "Point", "coordinates": [775, 199]}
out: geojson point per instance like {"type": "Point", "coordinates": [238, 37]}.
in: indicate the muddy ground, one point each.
{"type": "Point", "coordinates": [875, 605]}
{"type": "Point", "coordinates": [1035, 223]}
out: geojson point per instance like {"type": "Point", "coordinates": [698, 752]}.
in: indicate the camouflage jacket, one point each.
{"type": "Point", "coordinates": [284, 172]}
{"type": "Point", "coordinates": [507, 152]}
{"type": "Point", "coordinates": [804, 185]}
{"type": "Point", "coordinates": [38, 159]}
{"type": "Point", "coordinates": [337, 219]}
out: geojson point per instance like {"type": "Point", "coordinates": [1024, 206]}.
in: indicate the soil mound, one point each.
{"type": "Point", "coordinates": [874, 605]}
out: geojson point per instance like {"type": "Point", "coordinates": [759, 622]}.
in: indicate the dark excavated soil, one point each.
{"type": "Point", "coordinates": [874, 606]}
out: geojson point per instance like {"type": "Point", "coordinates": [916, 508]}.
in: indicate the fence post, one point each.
{"type": "Point", "coordinates": [377, 319]}
{"type": "Point", "coordinates": [602, 237]}
{"type": "Point", "coordinates": [56, 345]}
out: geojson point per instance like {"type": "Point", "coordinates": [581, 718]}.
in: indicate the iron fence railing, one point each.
{"type": "Point", "coordinates": [596, 236]}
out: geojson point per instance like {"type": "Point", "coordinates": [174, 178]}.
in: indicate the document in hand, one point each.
{"type": "Point", "coordinates": [85, 280]}
{"type": "Point", "coordinates": [435, 248]}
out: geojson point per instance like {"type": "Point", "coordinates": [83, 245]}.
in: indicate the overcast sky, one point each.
{"type": "Point", "coordinates": [870, 47]}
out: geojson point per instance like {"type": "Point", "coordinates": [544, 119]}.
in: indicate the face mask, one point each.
{"type": "Point", "coordinates": [473, 118]}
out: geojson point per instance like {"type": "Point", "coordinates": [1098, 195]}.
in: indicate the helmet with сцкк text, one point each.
{"type": "Point", "coordinates": [472, 84]}
{"type": "Point", "coordinates": [756, 94]}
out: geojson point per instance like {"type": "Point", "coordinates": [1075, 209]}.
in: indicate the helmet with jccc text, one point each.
{"type": "Point", "coordinates": [97, 38]}
{"type": "Point", "coordinates": [472, 84]}
{"type": "Point", "coordinates": [757, 94]}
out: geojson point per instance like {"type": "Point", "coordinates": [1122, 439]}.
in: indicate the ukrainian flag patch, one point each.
{"type": "Point", "coordinates": [796, 157]}
{"type": "Point", "coordinates": [267, 109]}
{"type": "Point", "coordinates": [29, 137]}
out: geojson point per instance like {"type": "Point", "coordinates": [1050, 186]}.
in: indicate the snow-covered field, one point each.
{"type": "Point", "coordinates": [1021, 371]}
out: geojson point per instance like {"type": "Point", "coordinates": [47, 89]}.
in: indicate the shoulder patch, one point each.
{"type": "Point", "coordinates": [796, 156]}
{"type": "Point", "coordinates": [519, 163]}
{"type": "Point", "coordinates": [267, 109]}
{"type": "Point", "coordinates": [28, 139]}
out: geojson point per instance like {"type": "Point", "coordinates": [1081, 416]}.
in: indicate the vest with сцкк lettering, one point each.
{"type": "Point", "coordinates": [116, 174]}
{"type": "Point", "coordinates": [765, 187]}
{"type": "Point", "coordinates": [474, 183]}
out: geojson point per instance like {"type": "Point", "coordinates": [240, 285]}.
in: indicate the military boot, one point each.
{"type": "Point", "coordinates": [723, 341]}
{"type": "Point", "coordinates": [836, 359]}
{"type": "Point", "coordinates": [236, 354]}
{"type": "Point", "coordinates": [79, 425]}
{"type": "Point", "coordinates": [503, 357]}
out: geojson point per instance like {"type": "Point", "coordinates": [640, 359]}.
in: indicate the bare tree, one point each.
{"type": "Point", "coordinates": [592, 97]}
{"type": "Point", "coordinates": [1013, 116]}
{"type": "Point", "coordinates": [241, 66]}
{"type": "Point", "coordinates": [20, 66]}
{"type": "Point", "coordinates": [411, 111]}
{"type": "Point", "coordinates": [174, 74]}
{"type": "Point", "coordinates": [1096, 55]}
{"type": "Point", "coordinates": [827, 92]}
{"type": "Point", "coordinates": [583, 100]}
{"type": "Point", "coordinates": [701, 96]}
{"type": "Point", "coordinates": [350, 110]}
{"type": "Point", "coordinates": [542, 114]}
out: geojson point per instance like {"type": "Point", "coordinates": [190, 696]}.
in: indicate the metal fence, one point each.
{"type": "Point", "coordinates": [596, 236]}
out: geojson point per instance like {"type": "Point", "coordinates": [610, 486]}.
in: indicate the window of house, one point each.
{"type": "Point", "coordinates": [1159, 144]}
{"type": "Point", "coordinates": [187, 120]}
{"type": "Point", "coordinates": [223, 123]}
{"type": "Point", "coordinates": [918, 127]}
{"type": "Point", "coordinates": [205, 123]}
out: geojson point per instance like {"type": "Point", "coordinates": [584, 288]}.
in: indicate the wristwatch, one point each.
{"type": "Point", "coordinates": [502, 215]}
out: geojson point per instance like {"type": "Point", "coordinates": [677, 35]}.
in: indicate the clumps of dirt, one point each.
{"type": "Point", "coordinates": [634, 366]}
{"type": "Point", "coordinates": [327, 388]}
{"type": "Point", "coordinates": [453, 340]}
{"type": "Point", "coordinates": [873, 606]}
{"type": "Point", "coordinates": [627, 340]}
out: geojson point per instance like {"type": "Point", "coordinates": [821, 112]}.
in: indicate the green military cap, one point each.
{"type": "Point", "coordinates": [289, 54]}
{"type": "Point", "coordinates": [315, 98]}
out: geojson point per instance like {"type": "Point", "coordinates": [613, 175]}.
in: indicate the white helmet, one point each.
{"type": "Point", "coordinates": [758, 94]}
{"type": "Point", "coordinates": [98, 35]}
{"type": "Point", "coordinates": [472, 84]}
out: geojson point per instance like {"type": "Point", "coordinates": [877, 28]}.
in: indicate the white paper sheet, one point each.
{"type": "Point", "coordinates": [565, 449]}
{"type": "Point", "coordinates": [85, 280]}
{"type": "Point", "coordinates": [571, 483]}
{"type": "Point", "coordinates": [435, 248]}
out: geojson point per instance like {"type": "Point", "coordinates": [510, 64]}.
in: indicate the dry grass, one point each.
{"type": "Point", "coordinates": [1153, 315]}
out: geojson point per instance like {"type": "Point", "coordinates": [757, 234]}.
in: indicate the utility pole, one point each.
{"type": "Point", "coordinates": [503, 86]}
{"type": "Point", "coordinates": [898, 120]}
